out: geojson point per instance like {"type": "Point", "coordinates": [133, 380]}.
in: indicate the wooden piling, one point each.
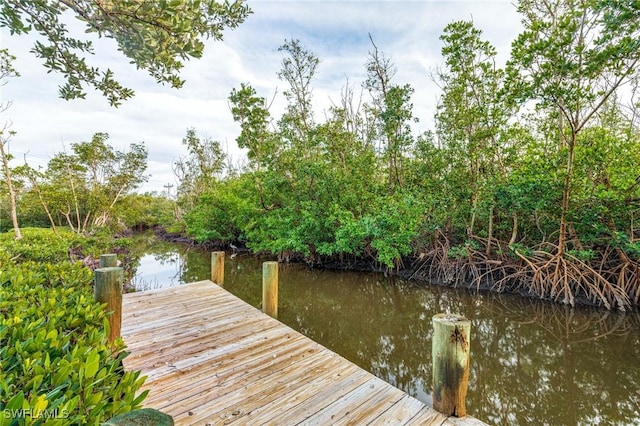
{"type": "Point", "coordinates": [270, 288]}
{"type": "Point", "coordinates": [450, 353]}
{"type": "Point", "coordinates": [108, 260]}
{"type": "Point", "coordinates": [108, 289]}
{"type": "Point", "coordinates": [217, 267]}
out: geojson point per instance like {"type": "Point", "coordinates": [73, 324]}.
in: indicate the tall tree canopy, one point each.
{"type": "Point", "coordinates": [156, 36]}
{"type": "Point", "coordinates": [572, 58]}
{"type": "Point", "coordinates": [470, 117]}
{"type": "Point", "coordinates": [84, 186]}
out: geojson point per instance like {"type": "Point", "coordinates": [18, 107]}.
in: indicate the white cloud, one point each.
{"type": "Point", "coordinates": [336, 31]}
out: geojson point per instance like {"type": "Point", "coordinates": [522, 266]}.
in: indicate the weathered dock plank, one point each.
{"type": "Point", "coordinates": [212, 359]}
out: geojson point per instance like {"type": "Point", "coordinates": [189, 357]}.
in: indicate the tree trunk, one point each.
{"type": "Point", "coordinates": [474, 204]}
{"type": "Point", "coordinates": [566, 195]}
{"type": "Point", "coordinates": [11, 189]}
{"type": "Point", "coordinates": [44, 205]}
{"type": "Point", "coordinates": [514, 231]}
{"type": "Point", "coordinates": [488, 252]}
{"type": "Point", "coordinates": [67, 216]}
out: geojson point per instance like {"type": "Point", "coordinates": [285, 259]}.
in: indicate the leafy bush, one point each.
{"type": "Point", "coordinates": [43, 245]}
{"type": "Point", "coordinates": [458, 252]}
{"type": "Point", "coordinates": [40, 244]}
{"type": "Point", "coordinates": [518, 249]}
{"type": "Point", "coordinates": [622, 241]}
{"type": "Point", "coordinates": [584, 255]}
{"type": "Point", "coordinates": [146, 211]}
{"type": "Point", "coordinates": [222, 212]}
{"type": "Point", "coordinates": [56, 365]}
{"type": "Point", "coordinates": [463, 250]}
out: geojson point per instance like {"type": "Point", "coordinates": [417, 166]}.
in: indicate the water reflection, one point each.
{"type": "Point", "coordinates": [531, 362]}
{"type": "Point", "coordinates": [160, 264]}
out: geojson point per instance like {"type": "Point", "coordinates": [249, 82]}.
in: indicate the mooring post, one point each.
{"type": "Point", "coordinates": [108, 260]}
{"type": "Point", "coordinates": [450, 353]}
{"type": "Point", "coordinates": [270, 288]}
{"type": "Point", "coordinates": [217, 267]}
{"type": "Point", "coordinates": [108, 289]}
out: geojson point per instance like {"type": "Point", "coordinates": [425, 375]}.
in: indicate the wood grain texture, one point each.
{"type": "Point", "coordinates": [212, 359]}
{"type": "Point", "coordinates": [270, 288]}
{"type": "Point", "coordinates": [108, 290]}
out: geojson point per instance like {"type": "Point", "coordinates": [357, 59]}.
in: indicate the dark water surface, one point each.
{"type": "Point", "coordinates": [532, 363]}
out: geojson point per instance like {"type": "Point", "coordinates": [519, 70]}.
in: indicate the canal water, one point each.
{"type": "Point", "coordinates": [532, 363]}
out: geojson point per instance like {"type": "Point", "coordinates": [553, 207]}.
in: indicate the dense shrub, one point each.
{"type": "Point", "coordinates": [43, 245]}
{"type": "Point", "coordinates": [56, 365]}
{"type": "Point", "coordinates": [39, 244]}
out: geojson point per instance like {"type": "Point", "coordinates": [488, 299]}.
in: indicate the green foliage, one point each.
{"type": "Point", "coordinates": [6, 65]}
{"type": "Point", "coordinates": [155, 36]}
{"type": "Point", "coordinates": [43, 245]}
{"type": "Point", "coordinates": [394, 227]}
{"type": "Point", "coordinates": [571, 60]}
{"type": "Point", "coordinates": [463, 250]}
{"type": "Point", "coordinates": [251, 112]}
{"type": "Point", "coordinates": [57, 367]}
{"type": "Point", "coordinates": [606, 182]}
{"type": "Point", "coordinates": [518, 249]}
{"type": "Point", "coordinates": [222, 213]}
{"type": "Point", "coordinates": [574, 54]}
{"type": "Point", "coordinates": [7, 71]}
{"type": "Point", "coordinates": [342, 187]}
{"type": "Point", "coordinates": [299, 66]}
{"type": "Point", "coordinates": [540, 157]}
{"type": "Point", "coordinates": [39, 245]}
{"type": "Point", "coordinates": [584, 255]}
{"type": "Point", "coordinates": [391, 116]}
{"type": "Point", "coordinates": [80, 189]}
{"type": "Point", "coordinates": [622, 241]}
{"type": "Point", "coordinates": [200, 169]}
{"type": "Point", "coordinates": [146, 211]}
{"type": "Point", "coordinates": [471, 122]}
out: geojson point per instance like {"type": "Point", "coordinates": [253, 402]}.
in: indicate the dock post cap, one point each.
{"type": "Point", "coordinates": [450, 318]}
{"type": "Point", "coordinates": [108, 269]}
{"type": "Point", "coordinates": [108, 259]}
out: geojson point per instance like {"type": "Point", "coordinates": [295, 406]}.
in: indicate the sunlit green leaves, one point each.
{"type": "Point", "coordinates": [54, 354]}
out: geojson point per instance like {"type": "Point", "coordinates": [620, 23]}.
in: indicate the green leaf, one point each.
{"type": "Point", "coordinates": [136, 402]}
{"type": "Point", "coordinates": [92, 364]}
{"type": "Point", "coordinates": [15, 403]}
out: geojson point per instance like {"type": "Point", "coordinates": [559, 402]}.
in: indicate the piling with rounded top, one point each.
{"type": "Point", "coordinates": [450, 353]}
{"type": "Point", "coordinates": [108, 289]}
{"type": "Point", "coordinates": [108, 260]}
{"type": "Point", "coordinates": [270, 288]}
{"type": "Point", "coordinates": [217, 267]}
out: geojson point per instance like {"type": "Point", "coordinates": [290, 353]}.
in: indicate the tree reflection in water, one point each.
{"type": "Point", "coordinates": [531, 362]}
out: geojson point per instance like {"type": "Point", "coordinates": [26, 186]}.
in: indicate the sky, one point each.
{"type": "Point", "coordinates": [336, 31]}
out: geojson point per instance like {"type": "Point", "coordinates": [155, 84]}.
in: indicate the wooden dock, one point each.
{"type": "Point", "coordinates": [212, 359]}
